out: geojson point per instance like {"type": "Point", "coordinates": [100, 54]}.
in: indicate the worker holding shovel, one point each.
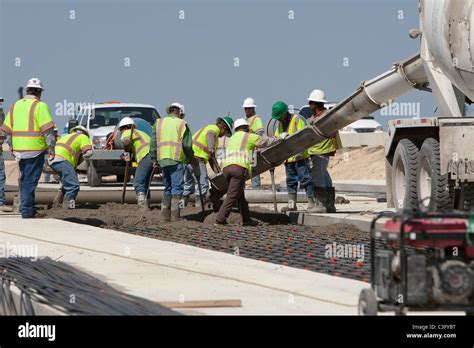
{"type": "Point", "coordinates": [138, 143]}
{"type": "Point", "coordinates": [205, 143]}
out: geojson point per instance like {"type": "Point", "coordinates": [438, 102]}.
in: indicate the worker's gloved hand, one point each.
{"type": "Point", "coordinates": [197, 171]}
{"type": "Point", "coordinates": [284, 135]}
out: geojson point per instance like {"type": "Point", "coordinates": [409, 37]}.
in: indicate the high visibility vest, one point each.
{"type": "Point", "coordinates": [140, 142]}
{"type": "Point", "coordinates": [27, 122]}
{"type": "Point", "coordinates": [296, 124]}
{"type": "Point", "coordinates": [255, 124]}
{"type": "Point", "coordinates": [326, 146]}
{"type": "Point", "coordinates": [239, 150]}
{"type": "Point", "coordinates": [71, 146]}
{"type": "Point", "coordinates": [200, 146]}
{"type": "Point", "coordinates": [169, 138]}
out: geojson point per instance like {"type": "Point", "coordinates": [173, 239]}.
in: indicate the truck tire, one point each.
{"type": "Point", "coordinates": [404, 169]}
{"type": "Point", "coordinates": [367, 303]}
{"type": "Point", "coordinates": [468, 188]}
{"type": "Point", "coordinates": [433, 188]}
{"type": "Point", "coordinates": [93, 178]}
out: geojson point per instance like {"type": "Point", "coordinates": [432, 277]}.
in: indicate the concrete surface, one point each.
{"type": "Point", "coordinates": [165, 271]}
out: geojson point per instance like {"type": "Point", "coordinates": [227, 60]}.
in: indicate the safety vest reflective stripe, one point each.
{"type": "Point", "coordinates": [31, 120]}
{"type": "Point", "coordinates": [46, 126]}
{"type": "Point", "coordinates": [26, 133]}
{"type": "Point", "coordinates": [67, 145]}
{"type": "Point", "coordinates": [196, 140]}
{"type": "Point", "coordinates": [180, 132]}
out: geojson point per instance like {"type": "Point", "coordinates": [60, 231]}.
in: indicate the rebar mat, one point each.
{"type": "Point", "coordinates": [66, 289]}
{"type": "Point", "coordinates": [289, 245]}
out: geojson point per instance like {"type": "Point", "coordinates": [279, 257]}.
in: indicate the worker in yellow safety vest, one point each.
{"type": "Point", "coordinates": [238, 167]}
{"type": "Point", "coordinates": [171, 147]}
{"type": "Point", "coordinates": [205, 143]}
{"type": "Point", "coordinates": [320, 153]}
{"type": "Point", "coordinates": [138, 143]}
{"type": "Point", "coordinates": [70, 150]}
{"type": "Point", "coordinates": [297, 168]}
{"type": "Point", "coordinates": [30, 134]}
{"type": "Point", "coordinates": [256, 126]}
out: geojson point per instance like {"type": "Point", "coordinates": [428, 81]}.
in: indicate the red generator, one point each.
{"type": "Point", "coordinates": [422, 262]}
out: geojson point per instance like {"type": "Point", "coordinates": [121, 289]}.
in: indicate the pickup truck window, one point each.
{"type": "Point", "coordinates": [112, 116]}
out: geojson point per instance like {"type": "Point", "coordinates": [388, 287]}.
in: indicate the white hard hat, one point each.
{"type": "Point", "coordinates": [34, 83]}
{"type": "Point", "coordinates": [80, 129]}
{"type": "Point", "coordinates": [240, 123]}
{"type": "Point", "coordinates": [176, 105]}
{"type": "Point", "coordinates": [126, 121]}
{"type": "Point", "coordinates": [317, 96]}
{"type": "Point", "coordinates": [249, 103]}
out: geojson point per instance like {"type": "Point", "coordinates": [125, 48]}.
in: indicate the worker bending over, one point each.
{"type": "Point", "coordinates": [237, 167]}
{"type": "Point", "coordinates": [297, 168]}
{"type": "Point", "coordinates": [256, 127]}
{"type": "Point", "coordinates": [325, 193]}
{"type": "Point", "coordinates": [29, 129]}
{"type": "Point", "coordinates": [205, 142]}
{"type": "Point", "coordinates": [137, 143]}
{"type": "Point", "coordinates": [171, 144]}
{"type": "Point", "coordinates": [70, 150]}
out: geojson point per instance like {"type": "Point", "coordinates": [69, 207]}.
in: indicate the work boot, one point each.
{"type": "Point", "coordinates": [175, 208]}
{"type": "Point", "coordinates": [165, 213]}
{"type": "Point", "coordinates": [186, 200]}
{"type": "Point", "coordinates": [5, 209]}
{"type": "Point", "coordinates": [331, 198]}
{"type": "Point", "coordinates": [69, 203]}
{"type": "Point", "coordinates": [320, 198]}
{"type": "Point", "coordinates": [292, 200]}
{"type": "Point", "coordinates": [315, 206]}
{"type": "Point", "coordinates": [141, 201]}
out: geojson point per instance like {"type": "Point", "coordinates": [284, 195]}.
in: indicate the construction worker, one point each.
{"type": "Point", "coordinates": [256, 127]}
{"type": "Point", "coordinates": [297, 168]}
{"type": "Point", "coordinates": [138, 143]}
{"type": "Point", "coordinates": [70, 150]}
{"type": "Point", "coordinates": [320, 153]}
{"type": "Point", "coordinates": [30, 134]}
{"type": "Point", "coordinates": [171, 146]}
{"type": "Point", "coordinates": [205, 142]}
{"type": "Point", "coordinates": [3, 206]}
{"type": "Point", "coordinates": [237, 167]}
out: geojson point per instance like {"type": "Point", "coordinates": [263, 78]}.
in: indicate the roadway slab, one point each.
{"type": "Point", "coordinates": [166, 271]}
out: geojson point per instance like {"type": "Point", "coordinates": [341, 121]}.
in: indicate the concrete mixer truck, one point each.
{"type": "Point", "coordinates": [429, 160]}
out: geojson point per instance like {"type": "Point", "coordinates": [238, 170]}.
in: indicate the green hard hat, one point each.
{"type": "Point", "coordinates": [228, 121]}
{"type": "Point", "coordinates": [279, 109]}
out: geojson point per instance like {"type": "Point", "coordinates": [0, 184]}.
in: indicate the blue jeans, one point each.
{"type": "Point", "coordinates": [173, 179]}
{"type": "Point", "coordinates": [68, 178]}
{"type": "Point", "coordinates": [190, 179]}
{"type": "Point", "coordinates": [321, 177]}
{"type": "Point", "coordinates": [143, 175]}
{"type": "Point", "coordinates": [2, 180]}
{"type": "Point", "coordinates": [256, 182]}
{"type": "Point", "coordinates": [299, 172]}
{"type": "Point", "coordinates": [30, 170]}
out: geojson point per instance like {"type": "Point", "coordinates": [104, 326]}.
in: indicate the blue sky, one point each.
{"type": "Point", "coordinates": [284, 49]}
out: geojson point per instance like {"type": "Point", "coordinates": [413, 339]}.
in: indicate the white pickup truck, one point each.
{"type": "Point", "coordinates": [101, 121]}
